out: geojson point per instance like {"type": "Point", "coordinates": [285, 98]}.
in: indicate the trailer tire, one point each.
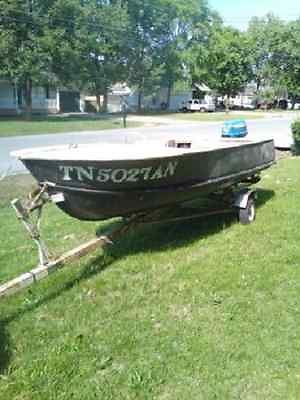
{"type": "Point", "coordinates": [247, 215]}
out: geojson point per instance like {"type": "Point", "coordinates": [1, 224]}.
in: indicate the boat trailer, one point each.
{"type": "Point", "coordinates": [234, 200]}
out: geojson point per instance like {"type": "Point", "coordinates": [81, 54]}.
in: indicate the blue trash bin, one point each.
{"type": "Point", "coordinates": [234, 128]}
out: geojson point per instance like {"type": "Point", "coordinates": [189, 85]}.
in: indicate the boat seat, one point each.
{"type": "Point", "coordinates": [179, 144]}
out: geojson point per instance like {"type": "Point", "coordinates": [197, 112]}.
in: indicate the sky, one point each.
{"type": "Point", "coordinates": [238, 12]}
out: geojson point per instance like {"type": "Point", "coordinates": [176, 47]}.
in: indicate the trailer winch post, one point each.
{"type": "Point", "coordinates": [44, 270]}
{"type": "Point", "coordinates": [33, 228]}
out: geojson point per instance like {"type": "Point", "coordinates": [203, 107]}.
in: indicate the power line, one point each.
{"type": "Point", "coordinates": [37, 19]}
{"type": "Point", "coordinates": [33, 19]}
{"type": "Point", "coordinates": [92, 24]}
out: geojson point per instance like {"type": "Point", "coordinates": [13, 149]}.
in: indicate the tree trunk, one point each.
{"type": "Point", "coordinates": [105, 100]}
{"type": "Point", "coordinates": [227, 104]}
{"type": "Point", "coordinates": [140, 95]}
{"type": "Point", "coordinates": [257, 85]}
{"type": "Point", "coordinates": [98, 103]}
{"type": "Point", "coordinates": [28, 98]}
{"type": "Point", "coordinates": [169, 91]}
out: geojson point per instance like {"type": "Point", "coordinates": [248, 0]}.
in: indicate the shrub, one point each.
{"type": "Point", "coordinates": [296, 135]}
{"type": "Point", "coordinates": [296, 130]}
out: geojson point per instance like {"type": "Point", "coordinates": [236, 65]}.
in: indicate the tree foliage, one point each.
{"type": "Point", "coordinates": [23, 57]}
{"type": "Point", "coordinates": [224, 65]}
{"type": "Point", "coordinates": [263, 34]}
{"type": "Point", "coordinates": [288, 59]}
{"type": "Point", "coordinates": [93, 44]}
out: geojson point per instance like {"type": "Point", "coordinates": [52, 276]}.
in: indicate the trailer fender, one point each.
{"type": "Point", "coordinates": [241, 197]}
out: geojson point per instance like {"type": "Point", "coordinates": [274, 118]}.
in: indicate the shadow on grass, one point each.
{"type": "Point", "coordinates": [263, 196]}
{"type": "Point", "coordinates": [141, 240]}
{"type": "Point", "coordinates": [148, 238]}
{"type": "Point", "coordinates": [5, 352]}
{"type": "Point", "coordinates": [166, 236]}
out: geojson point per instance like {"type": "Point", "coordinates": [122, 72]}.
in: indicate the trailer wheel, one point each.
{"type": "Point", "coordinates": [247, 215]}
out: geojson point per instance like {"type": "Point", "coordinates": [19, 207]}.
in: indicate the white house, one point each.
{"type": "Point", "coordinates": [45, 100]}
{"type": "Point", "coordinates": [8, 98]}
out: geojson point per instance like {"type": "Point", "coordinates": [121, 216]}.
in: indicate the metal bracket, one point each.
{"type": "Point", "coordinates": [37, 199]}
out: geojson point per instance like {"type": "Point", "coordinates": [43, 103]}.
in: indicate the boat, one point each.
{"type": "Point", "coordinates": [100, 181]}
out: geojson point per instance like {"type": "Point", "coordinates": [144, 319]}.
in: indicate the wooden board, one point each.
{"type": "Point", "coordinates": [21, 282]}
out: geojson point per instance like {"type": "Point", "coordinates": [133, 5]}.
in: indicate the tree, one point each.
{"type": "Point", "coordinates": [24, 61]}
{"type": "Point", "coordinates": [189, 26]}
{"type": "Point", "coordinates": [143, 40]}
{"type": "Point", "coordinates": [161, 35]}
{"type": "Point", "coordinates": [102, 46]}
{"type": "Point", "coordinates": [266, 39]}
{"type": "Point", "coordinates": [287, 60]}
{"type": "Point", "coordinates": [225, 66]}
{"type": "Point", "coordinates": [198, 37]}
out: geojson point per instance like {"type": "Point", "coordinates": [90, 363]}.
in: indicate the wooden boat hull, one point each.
{"type": "Point", "coordinates": [95, 190]}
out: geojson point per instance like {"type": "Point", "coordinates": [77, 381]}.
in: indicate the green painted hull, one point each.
{"type": "Point", "coordinates": [96, 190]}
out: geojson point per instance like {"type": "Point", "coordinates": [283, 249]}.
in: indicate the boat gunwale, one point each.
{"type": "Point", "coordinates": [165, 157]}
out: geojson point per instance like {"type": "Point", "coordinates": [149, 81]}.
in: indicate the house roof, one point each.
{"type": "Point", "coordinates": [202, 87]}
{"type": "Point", "coordinates": [120, 89]}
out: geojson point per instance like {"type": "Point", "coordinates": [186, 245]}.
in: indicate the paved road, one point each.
{"type": "Point", "coordinates": [276, 128]}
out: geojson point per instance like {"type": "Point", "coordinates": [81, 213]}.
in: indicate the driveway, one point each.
{"type": "Point", "coordinates": [275, 127]}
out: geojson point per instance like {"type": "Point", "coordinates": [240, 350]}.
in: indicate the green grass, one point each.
{"type": "Point", "coordinates": [56, 124]}
{"type": "Point", "coordinates": [208, 309]}
{"type": "Point", "coordinates": [217, 116]}
{"type": "Point", "coordinates": [197, 116]}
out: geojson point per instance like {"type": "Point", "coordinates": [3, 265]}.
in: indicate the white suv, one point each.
{"type": "Point", "coordinates": [197, 105]}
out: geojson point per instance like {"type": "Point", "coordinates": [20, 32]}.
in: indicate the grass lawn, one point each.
{"type": "Point", "coordinates": [56, 124]}
{"type": "Point", "coordinates": [198, 116]}
{"type": "Point", "coordinates": [215, 116]}
{"type": "Point", "coordinates": [208, 309]}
